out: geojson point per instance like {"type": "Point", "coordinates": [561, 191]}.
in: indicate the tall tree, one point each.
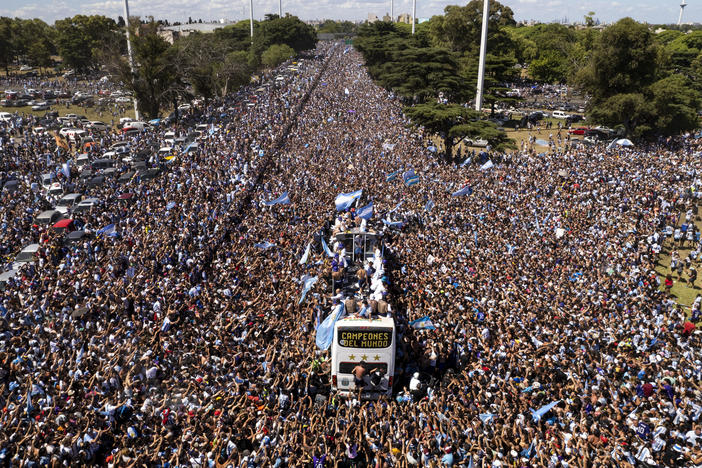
{"type": "Point", "coordinates": [452, 122]}
{"type": "Point", "coordinates": [156, 79]}
{"type": "Point", "coordinates": [460, 27]}
{"type": "Point", "coordinates": [80, 39]}
{"type": "Point", "coordinates": [289, 30]}
{"type": "Point", "coordinates": [624, 60]}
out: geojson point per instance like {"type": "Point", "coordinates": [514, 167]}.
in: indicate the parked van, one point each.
{"type": "Point", "coordinates": [67, 202]}
{"type": "Point", "coordinates": [29, 254]}
{"type": "Point", "coordinates": [82, 160]}
{"type": "Point", "coordinates": [5, 116]}
{"type": "Point", "coordinates": [559, 115]}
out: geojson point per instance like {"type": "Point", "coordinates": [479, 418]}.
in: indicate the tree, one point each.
{"type": "Point", "coordinates": [277, 54]}
{"type": "Point", "coordinates": [7, 49]}
{"type": "Point", "coordinates": [452, 122]}
{"type": "Point", "coordinates": [120, 22]}
{"type": "Point", "coordinates": [156, 79]}
{"type": "Point", "coordinates": [288, 30]}
{"type": "Point", "coordinates": [460, 27]}
{"type": "Point", "coordinates": [676, 103]}
{"type": "Point", "coordinates": [80, 39]}
{"type": "Point", "coordinates": [624, 60]}
{"type": "Point", "coordinates": [630, 111]}
{"type": "Point", "coordinates": [421, 73]}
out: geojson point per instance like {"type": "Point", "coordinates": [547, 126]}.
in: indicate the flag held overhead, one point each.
{"type": "Point", "coordinates": [345, 200]}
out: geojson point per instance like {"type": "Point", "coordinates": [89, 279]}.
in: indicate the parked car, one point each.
{"type": "Point", "coordinates": [48, 217]}
{"type": "Point", "coordinates": [67, 202]}
{"type": "Point", "coordinates": [578, 130]}
{"type": "Point", "coordinates": [39, 106]}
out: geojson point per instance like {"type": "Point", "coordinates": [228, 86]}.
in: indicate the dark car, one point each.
{"type": "Point", "coordinates": [126, 177]}
{"type": "Point", "coordinates": [96, 181]}
{"type": "Point", "coordinates": [149, 174]}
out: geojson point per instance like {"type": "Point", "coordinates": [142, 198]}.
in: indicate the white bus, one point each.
{"type": "Point", "coordinates": [358, 340]}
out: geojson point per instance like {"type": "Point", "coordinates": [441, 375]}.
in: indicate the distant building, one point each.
{"type": "Point", "coordinates": [171, 33]}
{"type": "Point", "coordinates": [405, 18]}
{"type": "Point", "coordinates": [387, 18]}
{"type": "Point", "coordinates": [372, 18]}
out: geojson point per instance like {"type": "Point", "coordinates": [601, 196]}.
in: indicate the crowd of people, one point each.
{"type": "Point", "coordinates": [180, 340]}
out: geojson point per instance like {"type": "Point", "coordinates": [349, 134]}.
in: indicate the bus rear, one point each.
{"type": "Point", "coordinates": [360, 340]}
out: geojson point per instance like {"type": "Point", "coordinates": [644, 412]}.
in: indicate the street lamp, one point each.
{"type": "Point", "coordinates": [481, 63]}
{"type": "Point", "coordinates": [129, 54]}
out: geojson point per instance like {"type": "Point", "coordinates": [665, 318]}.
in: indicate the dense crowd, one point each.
{"type": "Point", "coordinates": [178, 339]}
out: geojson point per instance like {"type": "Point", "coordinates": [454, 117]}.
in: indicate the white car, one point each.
{"type": "Point", "coordinates": [97, 125]}
{"type": "Point", "coordinates": [5, 116]}
{"type": "Point", "coordinates": [123, 100]}
{"type": "Point", "coordinates": [40, 106]}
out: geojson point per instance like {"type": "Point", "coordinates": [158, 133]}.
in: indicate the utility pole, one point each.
{"type": "Point", "coordinates": [414, 14]}
{"type": "Point", "coordinates": [251, 18]}
{"type": "Point", "coordinates": [129, 53]}
{"type": "Point", "coordinates": [481, 63]}
{"type": "Point", "coordinates": [392, 11]}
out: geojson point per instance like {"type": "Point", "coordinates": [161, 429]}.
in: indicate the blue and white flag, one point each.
{"type": "Point", "coordinates": [423, 323]}
{"type": "Point", "coordinates": [408, 175]}
{"type": "Point", "coordinates": [391, 176]}
{"type": "Point", "coordinates": [487, 165]}
{"type": "Point", "coordinates": [397, 207]}
{"type": "Point", "coordinates": [170, 205]}
{"type": "Point", "coordinates": [307, 283]}
{"type": "Point", "coordinates": [306, 255]}
{"type": "Point", "coordinates": [412, 181]}
{"type": "Point", "coordinates": [325, 330]}
{"type": "Point", "coordinates": [345, 200]}
{"type": "Point", "coordinates": [366, 212]}
{"type": "Point", "coordinates": [470, 462]}
{"type": "Point", "coordinates": [486, 417]}
{"type": "Point", "coordinates": [107, 230]}
{"type": "Point", "coordinates": [264, 245]}
{"type": "Point", "coordinates": [284, 199]}
{"type": "Point", "coordinates": [326, 248]}
{"type": "Point", "coordinates": [66, 169]}
{"type": "Point", "coordinates": [187, 148]}
{"type": "Point", "coordinates": [48, 159]}
{"type": "Point", "coordinates": [393, 224]}
{"type": "Point", "coordinates": [466, 162]}
{"type": "Point", "coordinates": [432, 149]}
{"type": "Point", "coordinates": [536, 415]}
{"type": "Point", "coordinates": [388, 146]}
{"type": "Point", "coordinates": [467, 190]}
{"type": "Point", "coordinates": [430, 204]}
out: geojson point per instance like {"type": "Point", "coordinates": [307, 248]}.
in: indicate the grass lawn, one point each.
{"type": "Point", "coordinates": [683, 293]}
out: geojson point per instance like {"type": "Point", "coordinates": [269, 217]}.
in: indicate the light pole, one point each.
{"type": "Point", "coordinates": [414, 13]}
{"type": "Point", "coordinates": [129, 54]}
{"type": "Point", "coordinates": [280, 8]}
{"type": "Point", "coordinates": [392, 11]}
{"type": "Point", "coordinates": [251, 18]}
{"type": "Point", "coordinates": [481, 63]}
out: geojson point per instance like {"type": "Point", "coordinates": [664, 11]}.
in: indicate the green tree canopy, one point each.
{"type": "Point", "coordinates": [460, 27]}
{"type": "Point", "coordinates": [157, 77]}
{"type": "Point", "coordinates": [289, 30]}
{"type": "Point", "coordinates": [80, 39]}
{"type": "Point", "coordinates": [624, 60]}
{"type": "Point", "coordinates": [277, 54]}
{"type": "Point", "coordinates": [452, 122]}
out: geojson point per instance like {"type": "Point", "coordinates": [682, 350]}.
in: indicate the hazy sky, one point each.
{"type": "Point", "coordinates": [653, 11]}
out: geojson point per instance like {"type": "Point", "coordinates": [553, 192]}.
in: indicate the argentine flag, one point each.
{"type": "Point", "coordinates": [423, 323]}
{"type": "Point", "coordinates": [467, 190]}
{"type": "Point", "coordinates": [325, 330]}
{"type": "Point", "coordinates": [284, 199]}
{"type": "Point", "coordinates": [366, 212]}
{"type": "Point", "coordinates": [344, 200]}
